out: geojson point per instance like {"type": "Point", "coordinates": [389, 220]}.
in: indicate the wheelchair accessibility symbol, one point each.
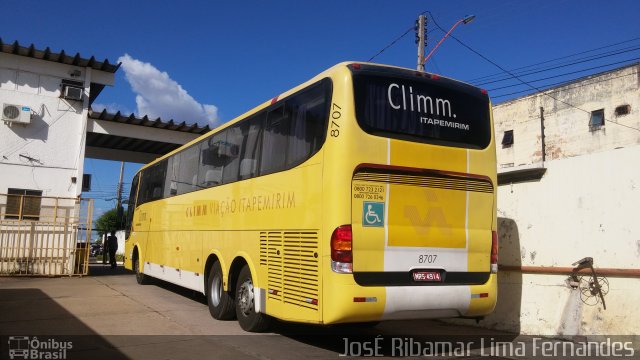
{"type": "Point", "coordinates": [373, 214]}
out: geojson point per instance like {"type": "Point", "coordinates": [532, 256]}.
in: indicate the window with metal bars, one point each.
{"type": "Point", "coordinates": [23, 204]}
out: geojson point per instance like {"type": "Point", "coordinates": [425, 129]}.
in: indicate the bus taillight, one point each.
{"type": "Point", "coordinates": [341, 250]}
{"type": "Point", "coordinates": [494, 252]}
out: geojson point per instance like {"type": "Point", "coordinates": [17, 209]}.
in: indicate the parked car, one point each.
{"type": "Point", "coordinates": [96, 249]}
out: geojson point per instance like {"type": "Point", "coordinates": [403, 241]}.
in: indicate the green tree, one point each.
{"type": "Point", "coordinates": [109, 221]}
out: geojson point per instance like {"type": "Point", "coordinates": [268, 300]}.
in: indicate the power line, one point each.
{"type": "Point", "coordinates": [591, 58]}
{"type": "Point", "coordinates": [393, 43]}
{"type": "Point", "coordinates": [569, 73]}
{"type": "Point", "coordinates": [556, 67]}
{"type": "Point", "coordinates": [548, 86]}
{"type": "Point", "coordinates": [556, 59]}
{"type": "Point", "coordinates": [518, 78]}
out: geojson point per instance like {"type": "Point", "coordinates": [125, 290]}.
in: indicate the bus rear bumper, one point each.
{"type": "Point", "coordinates": [420, 302]}
{"type": "Point", "coordinates": [377, 303]}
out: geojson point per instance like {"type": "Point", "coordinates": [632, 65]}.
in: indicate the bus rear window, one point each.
{"type": "Point", "coordinates": [403, 106]}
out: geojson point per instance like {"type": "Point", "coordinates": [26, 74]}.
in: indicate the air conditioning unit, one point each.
{"type": "Point", "coordinates": [73, 92]}
{"type": "Point", "coordinates": [16, 113]}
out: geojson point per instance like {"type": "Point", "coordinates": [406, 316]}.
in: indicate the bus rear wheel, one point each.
{"type": "Point", "coordinates": [220, 302]}
{"type": "Point", "coordinates": [249, 319]}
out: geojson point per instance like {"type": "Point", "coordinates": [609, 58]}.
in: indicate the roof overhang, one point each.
{"type": "Point", "coordinates": [102, 75]}
{"type": "Point", "coordinates": [135, 139]}
{"type": "Point", "coordinates": [61, 57]}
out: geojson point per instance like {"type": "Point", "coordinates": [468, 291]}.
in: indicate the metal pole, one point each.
{"type": "Point", "coordinates": [421, 42]}
{"type": "Point", "coordinates": [544, 155]}
{"type": "Point", "coordinates": [119, 205]}
{"type": "Point", "coordinates": [120, 183]}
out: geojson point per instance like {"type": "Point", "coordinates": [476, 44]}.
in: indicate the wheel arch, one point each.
{"type": "Point", "coordinates": [234, 271]}
{"type": "Point", "coordinates": [135, 252]}
{"type": "Point", "coordinates": [211, 259]}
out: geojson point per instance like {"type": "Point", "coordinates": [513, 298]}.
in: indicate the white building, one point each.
{"type": "Point", "coordinates": [569, 189]}
{"type": "Point", "coordinates": [42, 149]}
{"type": "Point", "coordinates": [46, 131]}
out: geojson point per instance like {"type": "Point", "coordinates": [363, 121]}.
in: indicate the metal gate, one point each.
{"type": "Point", "coordinates": [42, 235]}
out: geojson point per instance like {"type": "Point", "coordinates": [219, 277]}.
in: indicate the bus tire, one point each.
{"type": "Point", "coordinates": [220, 302]}
{"type": "Point", "coordinates": [249, 319]}
{"type": "Point", "coordinates": [141, 278]}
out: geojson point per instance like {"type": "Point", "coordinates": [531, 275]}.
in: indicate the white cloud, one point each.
{"type": "Point", "coordinates": [157, 95]}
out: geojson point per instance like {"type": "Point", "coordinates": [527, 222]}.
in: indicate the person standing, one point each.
{"type": "Point", "coordinates": [112, 245]}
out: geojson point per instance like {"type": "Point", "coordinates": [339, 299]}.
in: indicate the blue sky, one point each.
{"type": "Point", "coordinates": [223, 58]}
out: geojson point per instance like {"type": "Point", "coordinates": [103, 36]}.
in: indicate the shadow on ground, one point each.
{"type": "Point", "coordinates": [396, 338]}
{"type": "Point", "coordinates": [29, 317]}
{"type": "Point", "coordinates": [100, 269]}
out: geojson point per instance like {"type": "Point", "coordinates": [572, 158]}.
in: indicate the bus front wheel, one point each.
{"type": "Point", "coordinates": [249, 319]}
{"type": "Point", "coordinates": [219, 301]}
{"type": "Point", "coordinates": [141, 278]}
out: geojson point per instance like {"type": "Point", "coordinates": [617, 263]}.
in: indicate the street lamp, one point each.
{"type": "Point", "coordinates": [465, 21]}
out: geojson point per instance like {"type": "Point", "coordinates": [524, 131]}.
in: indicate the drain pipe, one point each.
{"type": "Point", "coordinates": [544, 155]}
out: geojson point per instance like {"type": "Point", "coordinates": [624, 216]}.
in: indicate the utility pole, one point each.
{"type": "Point", "coordinates": [421, 39]}
{"type": "Point", "coordinates": [119, 197]}
{"type": "Point", "coordinates": [119, 213]}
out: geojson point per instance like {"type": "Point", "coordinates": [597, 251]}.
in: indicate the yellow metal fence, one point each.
{"type": "Point", "coordinates": [44, 236]}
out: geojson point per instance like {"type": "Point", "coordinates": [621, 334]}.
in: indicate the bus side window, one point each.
{"type": "Point", "coordinates": [152, 182]}
{"type": "Point", "coordinates": [309, 114]}
{"type": "Point", "coordinates": [274, 143]}
{"type": "Point", "coordinates": [233, 141]}
{"type": "Point", "coordinates": [171, 180]}
{"type": "Point", "coordinates": [251, 146]}
{"type": "Point", "coordinates": [188, 174]}
{"type": "Point", "coordinates": [213, 155]}
{"type": "Point", "coordinates": [131, 205]}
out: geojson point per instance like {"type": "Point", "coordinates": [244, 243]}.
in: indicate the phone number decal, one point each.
{"type": "Point", "coordinates": [368, 192]}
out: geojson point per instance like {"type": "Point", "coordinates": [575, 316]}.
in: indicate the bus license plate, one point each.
{"type": "Point", "coordinates": [427, 276]}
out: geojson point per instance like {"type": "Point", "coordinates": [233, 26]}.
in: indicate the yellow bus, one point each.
{"type": "Point", "coordinates": [367, 193]}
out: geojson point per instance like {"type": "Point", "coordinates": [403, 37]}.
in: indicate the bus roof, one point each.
{"type": "Point", "coordinates": [326, 73]}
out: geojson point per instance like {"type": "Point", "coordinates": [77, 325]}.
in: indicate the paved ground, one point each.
{"type": "Point", "coordinates": [101, 313]}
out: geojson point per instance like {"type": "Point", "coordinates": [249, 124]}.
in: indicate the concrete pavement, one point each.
{"type": "Point", "coordinates": [107, 314]}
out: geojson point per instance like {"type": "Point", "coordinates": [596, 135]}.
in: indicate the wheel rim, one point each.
{"type": "Point", "coordinates": [216, 290]}
{"type": "Point", "coordinates": [245, 298]}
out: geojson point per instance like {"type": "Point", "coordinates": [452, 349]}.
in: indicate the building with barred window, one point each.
{"type": "Point", "coordinates": [569, 189]}
{"type": "Point", "coordinates": [47, 129]}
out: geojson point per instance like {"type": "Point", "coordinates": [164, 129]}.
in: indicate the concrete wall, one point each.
{"type": "Point", "coordinates": [586, 204]}
{"type": "Point", "coordinates": [567, 130]}
{"type": "Point", "coordinates": [48, 152]}
{"type": "Point", "coordinates": [583, 206]}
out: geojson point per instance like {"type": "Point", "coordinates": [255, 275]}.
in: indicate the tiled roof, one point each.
{"type": "Point", "coordinates": [59, 57]}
